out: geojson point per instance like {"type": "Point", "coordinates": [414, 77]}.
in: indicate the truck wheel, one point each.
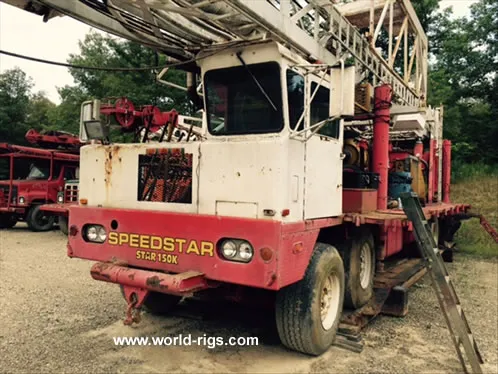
{"type": "Point", "coordinates": [158, 303]}
{"type": "Point", "coordinates": [7, 221]}
{"type": "Point", "coordinates": [63, 225]}
{"type": "Point", "coordinates": [308, 312]}
{"type": "Point", "coordinates": [358, 254]}
{"type": "Point", "coordinates": [38, 220]}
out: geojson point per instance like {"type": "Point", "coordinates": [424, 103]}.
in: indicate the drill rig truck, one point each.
{"type": "Point", "coordinates": [32, 177]}
{"type": "Point", "coordinates": [310, 133]}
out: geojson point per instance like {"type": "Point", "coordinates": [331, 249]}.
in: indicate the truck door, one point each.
{"type": "Point", "coordinates": [323, 158]}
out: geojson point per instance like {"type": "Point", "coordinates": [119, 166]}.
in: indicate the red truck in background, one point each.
{"type": "Point", "coordinates": [31, 177]}
{"type": "Point", "coordinates": [65, 198]}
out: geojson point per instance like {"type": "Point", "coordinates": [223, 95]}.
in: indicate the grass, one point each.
{"type": "Point", "coordinates": [478, 186]}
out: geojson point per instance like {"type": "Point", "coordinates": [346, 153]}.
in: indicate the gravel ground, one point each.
{"type": "Point", "coordinates": [55, 318]}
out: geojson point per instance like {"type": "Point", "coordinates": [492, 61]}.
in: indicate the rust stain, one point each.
{"type": "Point", "coordinates": [99, 274]}
{"type": "Point", "coordinates": [155, 282]}
{"type": "Point", "coordinates": [131, 276]}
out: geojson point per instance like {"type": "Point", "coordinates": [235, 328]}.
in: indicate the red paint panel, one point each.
{"type": "Point", "coordinates": [285, 266]}
{"type": "Point", "coordinates": [292, 260]}
{"type": "Point", "coordinates": [393, 238]}
{"type": "Point", "coordinates": [358, 201]}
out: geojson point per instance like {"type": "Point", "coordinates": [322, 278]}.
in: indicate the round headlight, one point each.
{"type": "Point", "coordinates": [60, 199]}
{"type": "Point", "coordinates": [92, 233]}
{"type": "Point", "coordinates": [245, 251]}
{"type": "Point", "coordinates": [102, 235]}
{"type": "Point", "coordinates": [229, 249]}
{"type": "Point", "coordinates": [21, 200]}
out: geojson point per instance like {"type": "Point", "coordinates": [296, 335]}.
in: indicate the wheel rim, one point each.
{"type": "Point", "coordinates": [365, 266]}
{"type": "Point", "coordinates": [329, 303]}
{"type": "Point", "coordinates": [42, 219]}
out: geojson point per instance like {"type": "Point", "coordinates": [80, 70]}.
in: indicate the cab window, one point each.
{"type": "Point", "coordinates": [319, 111]}
{"type": "Point", "coordinates": [295, 98]}
{"type": "Point", "coordinates": [69, 173]}
{"type": "Point", "coordinates": [244, 100]}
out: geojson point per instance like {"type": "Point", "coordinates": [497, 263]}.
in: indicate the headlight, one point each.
{"type": "Point", "coordinates": [236, 250]}
{"type": "Point", "coordinates": [229, 249]}
{"type": "Point", "coordinates": [60, 198]}
{"type": "Point", "coordinates": [21, 200]}
{"type": "Point", "coordinates": [95, 233]}
{"type": "Point", "coordinates": [245, 251]}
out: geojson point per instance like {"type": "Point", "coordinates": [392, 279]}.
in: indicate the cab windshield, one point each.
{"type": "Point", "coordinates": [244, 99]}
{"type": "Point", "coordinates": [38, 172]}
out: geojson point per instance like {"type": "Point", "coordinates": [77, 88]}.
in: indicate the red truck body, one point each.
{"type": "Point", "coordinates": [35, 177]}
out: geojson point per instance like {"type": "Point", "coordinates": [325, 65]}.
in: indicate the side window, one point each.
{"type": "Point", "coordinates": [56, 172]}
{"type": "Point", "coordinates": [319, 111]}
{"type": "Point", "coordinates": [295, 95]}
{"type": "Point", "coordinates": [69, 173]}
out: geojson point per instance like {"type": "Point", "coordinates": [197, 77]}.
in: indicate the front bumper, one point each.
{"type": "Point", "coordinates": [187, 242]}
{"type": "Point", "coordinates": [57, 209]}
{"type": "Point", "coordinates": [13, 209]}
{"type": "Point", "coordinates": [184, 284]}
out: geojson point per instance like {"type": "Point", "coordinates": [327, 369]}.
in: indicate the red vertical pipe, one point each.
{"type": "Point", "coordinates": [432, 170]}
{"type": "Point", "coordinates": [11, 175]}
{"type": "Point", "coordinates": [436, 174]}
{"type": "Point", "coordinates": [380, 154]}
{"type": "Point", "coordinates": [446, 170]}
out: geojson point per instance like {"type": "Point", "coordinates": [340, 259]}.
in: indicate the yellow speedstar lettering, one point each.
{"type": "Point", "coordinates": [173, 246]}
{"type": "Point", "coordinates": [113, 238]}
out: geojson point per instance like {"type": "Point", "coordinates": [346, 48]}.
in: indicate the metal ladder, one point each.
{"type": "Point", "coordinates": [461, 334]}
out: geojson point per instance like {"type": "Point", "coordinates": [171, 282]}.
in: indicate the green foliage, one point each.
{"type": "Point", "coordinates": [464, 172]}
{"type": "Point", "coordinates": [21, 110]}
{"type": "Point", "coordinates": [39, 112]}
{"type": "Point", "coordinates": [15, 88]}
{"type": "Point", "coordinates": [463, 78]}
{"type": "Point", "coordinates": [477, 186]}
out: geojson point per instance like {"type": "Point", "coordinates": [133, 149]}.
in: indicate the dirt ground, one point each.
{"type": "Point", "coordinates": [56, 318]}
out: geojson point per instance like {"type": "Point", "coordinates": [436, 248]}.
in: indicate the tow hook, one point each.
{"type": "Point", "coordinates": [135, 298]}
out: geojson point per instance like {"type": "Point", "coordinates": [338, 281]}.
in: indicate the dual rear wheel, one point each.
{"type": "Point", "coordinates": [308, 312]}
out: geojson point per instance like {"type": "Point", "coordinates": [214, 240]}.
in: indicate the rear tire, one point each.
{"type": "Point", "coordinates": [63, 225]}
{"type": "Point", "coordinates": [358, 254]}
{"type": "Point", "coordinates": [7, 221]}
{"type": "Point", "coordinates": [38, 220]}
{"type": "Point", "coordinates": [158, 303]}
{"type": "Point", "coordinates": [308, 312]}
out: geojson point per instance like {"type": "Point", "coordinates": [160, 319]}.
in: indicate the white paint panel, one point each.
{"type": "Point", "coordinates": [233, 176]}
{"type": "Point", "coordinates": [236, 209]}
{"type": "Point", "coordinates": [109, 176]}
{"type": "Point", "coordinates": [406, 122]}
{"type": "Point", "coordinates": [250, 169]}
{"type": "Point", "coordinates": [323, 189]}
{"type": "Point", "coordinates": [342, 92]}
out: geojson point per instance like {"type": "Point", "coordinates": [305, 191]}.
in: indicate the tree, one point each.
{"type": "Point", "coordinates": [463, 78]}
{"type": "Point", "coordinates": [15, 89]}
{"type": "Point", "coordinates": [39, 112]}
{"type": "Point", "coordinates": [139, 86]}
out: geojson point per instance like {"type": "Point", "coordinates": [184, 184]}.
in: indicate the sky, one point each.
{"type": "Point", "coordinates": [25, 33]}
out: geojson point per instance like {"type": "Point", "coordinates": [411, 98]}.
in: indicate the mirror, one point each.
{"type": "Point", "coordinates": [91, 128]}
